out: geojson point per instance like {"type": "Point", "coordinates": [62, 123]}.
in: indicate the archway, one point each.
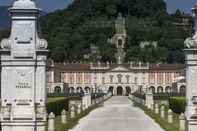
{"type": "Point", "coordinates": [168, 89]}
{"type": "Point", "coordinates": [119, 91]}
{"type": "Point", "coordinates": [152, 89]}
{"type": "Point", "coordinates": [87, 89]}
{"type": "Point", "coordinates": [71, 90]}
{"type": "Point", "coordinates": [175, 89]}
{"type": "Point", "coordinates": [57, 89]}
{"type": "Point", "coordinates": [111, 90]}
{"type": "Point", "coordinates": [160, 89]}
{"type": "Point", "coordinates": [79, 90]}
{"type": "Point", "coordinates": [182, 89]}
{"type": "Point", "coordinates": [128, 91]}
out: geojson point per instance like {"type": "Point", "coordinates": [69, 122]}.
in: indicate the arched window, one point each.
{"type": "Point", "coordinates": [120, 42]}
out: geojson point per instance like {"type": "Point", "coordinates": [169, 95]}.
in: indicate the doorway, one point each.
{"type": "Point", "coordinates": [119, 91]}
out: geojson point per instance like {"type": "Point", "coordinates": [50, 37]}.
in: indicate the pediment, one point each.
{"type": "Point", "coordinates": [119, 69]}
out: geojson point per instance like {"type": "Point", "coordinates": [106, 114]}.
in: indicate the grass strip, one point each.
{"type": "Point", "coordinates": [161, 121]}
{"type": "Point", "coordinates": [73, 122]}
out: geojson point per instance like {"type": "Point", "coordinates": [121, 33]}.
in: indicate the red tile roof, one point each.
{"type": "Point", "coordinates": [72, 67]}
{"type": "Point", "coordinates": [167, 67]}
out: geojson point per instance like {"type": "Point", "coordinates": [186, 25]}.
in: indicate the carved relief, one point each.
{"type": "Point", "coordinates": [24, 32]}
{"type": "Point", "coordinates": [5, 44]}
{"type": "Point", "coordinates": [42, 44]}
{"type": "Point", "coordinates": [191, 42]}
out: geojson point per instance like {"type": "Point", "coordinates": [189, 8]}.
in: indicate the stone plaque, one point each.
{"type": "Point", "coordinates": [24, 82]}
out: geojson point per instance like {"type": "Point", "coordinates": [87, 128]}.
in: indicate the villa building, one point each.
{"type": "Point", "coordinates": [119, 78]}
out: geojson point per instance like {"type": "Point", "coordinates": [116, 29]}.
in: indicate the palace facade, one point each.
{"type": "Point", "coordinates": [120, 79]}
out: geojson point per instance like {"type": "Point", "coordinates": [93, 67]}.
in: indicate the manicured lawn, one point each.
{"type": "Point", "coordinates": [53, 99]}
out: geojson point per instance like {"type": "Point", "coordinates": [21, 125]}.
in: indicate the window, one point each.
{"type": "Point", "coordinates": [160, 78]}
{"type": "Point", "coordinates": [111, 78]}
{"type": "Point", "coordinates": [143, 80]}
{"type": "Point", "coordinates": [71, 78]}
{"type": "Point", "coordinates": [152, 78]}
{"type": "Point", "coordinates": [103, 80]}
{"type": "Point", "coordinates": [79, 78]}
{"type": "Point", "coordinates": [135, 80]}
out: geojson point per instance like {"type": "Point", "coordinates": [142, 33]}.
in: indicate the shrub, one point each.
{"type": "Point", "coordinates": [57, 106]}
{"type": "Point", "coordinates": [177, 104]}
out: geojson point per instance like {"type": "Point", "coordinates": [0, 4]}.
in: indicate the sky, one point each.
{"type": "Point", "coordinates": [51, 5]}
{"type": "Point", "coordinates": [46, 5]}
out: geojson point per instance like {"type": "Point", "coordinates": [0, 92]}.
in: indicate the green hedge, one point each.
{"type": "Point", "coordinates": [57, 106]}
{"type": "Point", "coordinates": [177, 104]}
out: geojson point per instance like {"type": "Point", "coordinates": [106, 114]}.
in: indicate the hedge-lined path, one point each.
{"type": "Point", "coordinates": [117, 114]}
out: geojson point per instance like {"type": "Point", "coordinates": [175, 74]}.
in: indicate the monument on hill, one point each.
{"type": "Point", "coordinates": [23, 72]}
{"type": "Point", "coordinates": [191, 75]}
{"type": "Point", "coordinates": [119, 39]}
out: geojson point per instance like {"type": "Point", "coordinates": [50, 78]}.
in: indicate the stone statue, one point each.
{"type": "Point", "coordinates": [191, 42]}
{"type": "Point", "coordinates": [120, 25]}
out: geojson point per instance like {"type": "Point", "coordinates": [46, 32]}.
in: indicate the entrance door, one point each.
{"type": "Point", "coordinates": [119, 91]}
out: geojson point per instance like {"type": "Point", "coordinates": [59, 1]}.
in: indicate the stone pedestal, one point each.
{"type": "Point", "coordinates": [162, 112]}
{"type": "Point", "coordinates": [79, 109]}
{"type": "Point", "coordinates": [72, 111]}
{"type": "Point", "coordinates": [23, 72]}
{"type": "Point", "coordinates": [51, 122]}
{"type": "Point", "coordinates": [63, 117]}
{"type": "Point", "coordinates": [149, 100]}
{"type": "Point", "coordinates": [170, 116]}
{"type": "Point", "coordinates": [191, 78]}
{"type": "Point", "coordinates": [156, 108]}
{"type": "Point", "coordinates": [86, 100]}
{"type": "Point", "coordinates": [182, 122]}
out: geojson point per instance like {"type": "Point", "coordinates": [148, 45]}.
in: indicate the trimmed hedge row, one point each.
{"type": "Point", "coordinates": [57, 106]}
{"type": "Point", "coordinates": [177, 104]}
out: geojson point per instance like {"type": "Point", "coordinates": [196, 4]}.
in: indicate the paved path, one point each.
{"type": "Point", "coordinates": [117, 114]}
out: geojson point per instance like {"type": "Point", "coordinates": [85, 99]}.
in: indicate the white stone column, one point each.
{"type": "Point", "coordinates": [170, 116]}
{"type": "Point", "coordinates": [182, 122]}
{"type": "Point", "coordinates": [191, 77]}
{"type": "Point", "coordinates": [51, 122]}
{"type": "Point", "coordinates": [63, 117]}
